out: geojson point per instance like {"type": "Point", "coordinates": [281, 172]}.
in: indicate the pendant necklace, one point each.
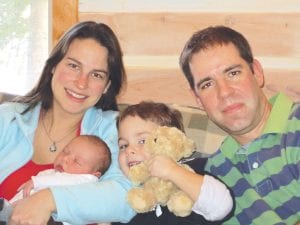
{"type": "Point", "coordinates": [53, 145]}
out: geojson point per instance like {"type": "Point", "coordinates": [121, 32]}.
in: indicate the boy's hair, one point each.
{"type": "Point", "coordinates": [105, 161]}
{"type": "Point", "coordinates": [158, 113]}
{"type": "Point", "coordinates": [210, 37]}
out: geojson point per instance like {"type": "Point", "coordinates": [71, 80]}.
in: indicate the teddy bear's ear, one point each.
{"type": "Point", "coordinates": [189, 147]}
{"type": "Point", "coordinates": [169, 141]}
{"type": "Point", "coordinates": [138, 174]}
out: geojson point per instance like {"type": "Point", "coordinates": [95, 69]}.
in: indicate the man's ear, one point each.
{"type": "Point", "coordinates": [258, 73]}
{"type": "Point", "coordinates": [107, 86]}
{"type": "Point", "coordinates": [196, 97]}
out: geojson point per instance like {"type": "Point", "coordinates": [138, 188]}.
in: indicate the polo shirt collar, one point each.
{"type": "Point", "coordinates": [281, 106]}
{"type": "Point", "coordinates": [279, 115]}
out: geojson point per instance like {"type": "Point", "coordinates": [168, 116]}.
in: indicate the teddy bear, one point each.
{"type": "Point", "coordinates": [151, 192]}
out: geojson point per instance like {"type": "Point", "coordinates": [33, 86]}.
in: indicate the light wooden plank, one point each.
{"type": "Point", "coordinates": [167, 86]}
{"type": "Point", "coordinates": [170, 86]}
{"type": "Point", "coordinates": [189, 6]}
{"type": "Point", "coordinates": [165, 33]}
{"type": "Point", "coordinates": [64, 15]}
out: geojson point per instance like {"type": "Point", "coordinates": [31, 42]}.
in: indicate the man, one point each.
{"type": "Point", "coordinates": [260, 158]}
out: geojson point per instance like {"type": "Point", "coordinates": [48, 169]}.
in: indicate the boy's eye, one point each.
{"type": "Point", "coordinates": [122, 147]}
{"type": "Point", "coordinates": [142, 141]}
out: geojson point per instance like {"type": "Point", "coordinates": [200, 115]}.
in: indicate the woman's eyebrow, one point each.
{"type": "Point", "coordinates": [75, 60]}
{"type": "Point", "coordinates": [95, 70]}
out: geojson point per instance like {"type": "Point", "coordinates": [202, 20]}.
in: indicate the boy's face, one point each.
{"type": "Point", "coordinates": [133, 131]}
{"type": "Point", "coordinates": [79, 157]}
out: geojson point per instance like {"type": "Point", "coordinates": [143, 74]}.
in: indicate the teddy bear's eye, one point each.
{"type": "Point", "coordinates": [155, 140]}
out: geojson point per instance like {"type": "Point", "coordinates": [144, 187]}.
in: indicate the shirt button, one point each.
{"type": "Point", "coordinates": [255, 165]}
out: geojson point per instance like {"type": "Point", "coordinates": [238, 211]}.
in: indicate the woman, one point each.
{"type": "Point", "coordinates": [76, 94]}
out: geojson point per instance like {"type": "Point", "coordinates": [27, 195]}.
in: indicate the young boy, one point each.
{"type": "Point", "coordinates": [213, 201]}
{"type": "Point", "coordinates": [83, 160]}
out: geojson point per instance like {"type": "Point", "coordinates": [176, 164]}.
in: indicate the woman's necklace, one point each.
{"type": "Point", "coordinates": [53, 146]}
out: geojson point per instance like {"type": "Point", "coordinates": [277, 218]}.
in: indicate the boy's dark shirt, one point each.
{"type": "Point", "coordinates": [168, 218]}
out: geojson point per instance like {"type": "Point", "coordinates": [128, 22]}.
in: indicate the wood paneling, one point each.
{"type": "Point", "coordinates": [165, 33]}
{"type": "Point", "coordinates": [152, 42]}
{"type": "Point", "coordinates": [170, 86]}
{"type": "Point", "coordinates": [161, 85]}
{"type": "Point", "coordinates": [64, 15]}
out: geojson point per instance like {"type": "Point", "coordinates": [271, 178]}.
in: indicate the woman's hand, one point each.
{"type": "Point", "coordinates": [34, 210]}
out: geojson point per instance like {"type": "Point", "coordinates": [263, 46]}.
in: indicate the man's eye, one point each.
{"type": "Point", "coordinates": [205, 85]}
{"type": "Point", "coordinates": [234, 73]}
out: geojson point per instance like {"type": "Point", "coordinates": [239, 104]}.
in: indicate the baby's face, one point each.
{"type": "Point", "coordinates": [79, 157]}
{"type": "Point", "coordinates": [133, 131]}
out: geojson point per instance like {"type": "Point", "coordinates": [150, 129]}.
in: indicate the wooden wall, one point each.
{"type": "Point", "coordinates": [152, 41]}
{"type": "Point", "coordinates": [64, 14]}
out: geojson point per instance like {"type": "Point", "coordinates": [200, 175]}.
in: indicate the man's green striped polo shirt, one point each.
{"type": "Point", "coordinates": [264, 174]}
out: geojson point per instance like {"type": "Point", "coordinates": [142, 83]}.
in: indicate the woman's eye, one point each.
{"type": "Point", "coordinates": [99, 75]}
{"type": "Point", "coordinates": [74, 66]}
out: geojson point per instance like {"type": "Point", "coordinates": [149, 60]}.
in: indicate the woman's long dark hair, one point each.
{"type": "Point", "coordinates": [101, 33]}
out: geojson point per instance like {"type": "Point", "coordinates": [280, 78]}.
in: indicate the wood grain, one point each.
{"type": "Point", "coordinates": [153, 42]}
{"type": "Point", "coordinates": [64, 15]}
{"type": "Point", "coordinates": [165, 33]}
